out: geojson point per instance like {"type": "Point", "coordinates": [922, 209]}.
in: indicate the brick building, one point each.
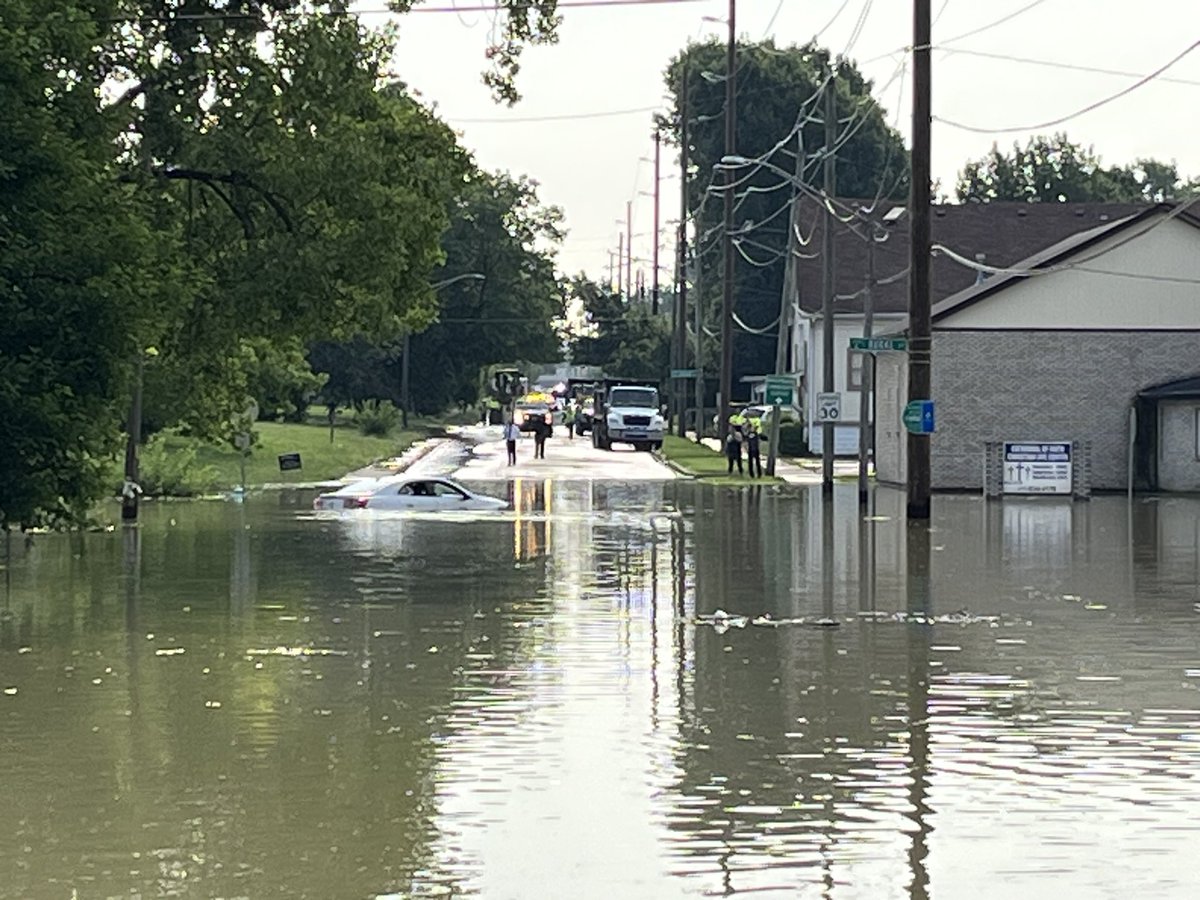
{"type": "Point", "coordinates": [1101, 348]}
{"type": "Point", "coordinates": [999, 234]}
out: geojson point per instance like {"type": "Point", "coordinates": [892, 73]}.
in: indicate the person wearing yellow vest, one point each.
{"type": "Point", "coordinates": [733, 442]}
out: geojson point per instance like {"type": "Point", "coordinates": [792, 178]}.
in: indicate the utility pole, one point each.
{"type": "Point", "coordinates": [629, 249]}
{"type": "Point", "coordinates": [131, 491]}
{"type": "Point", "coordinates": [828, 284]}
{"type": "Point", "coordinates": [698, 308]}
{"type": "Point", "coordinates": [787, 298]}
{"type": "Point", "coordinates": [657, 192]}
{"type": "Point", "coordinates": [404, 393]}
{"type": "Point", "coordinates": [920, 326]}
{"type": "Point", "coordinates": [620, 260]}
{"type": "Point", "coordinates": [867, 390]}
{"type": "Point", "coordinates": [610, 270]}
{"type": "Point", "coordinates": [681, 249]}
{"type": "Point", "coordinates": [727, 292]}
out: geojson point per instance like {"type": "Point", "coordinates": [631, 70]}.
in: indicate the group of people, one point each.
{"type": "Point", "coordinates": [541, 428]}
{"type": "Point", "coordinates": [744, 431]}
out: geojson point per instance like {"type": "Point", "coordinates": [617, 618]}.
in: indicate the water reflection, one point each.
{"type": "Point", "coordinates": [611, 690]}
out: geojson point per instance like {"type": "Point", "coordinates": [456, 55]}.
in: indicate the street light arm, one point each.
{"type": "Point", "coordinates": [467, 276]}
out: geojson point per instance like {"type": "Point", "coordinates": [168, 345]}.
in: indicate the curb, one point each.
{"type": "Point", "coordinates": [673, 466]}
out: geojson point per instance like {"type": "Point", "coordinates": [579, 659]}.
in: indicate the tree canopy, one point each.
{"type": "Point", "coordinates": [623, 337]}
{"type": "Point", "coordinates": [1056, 170]}
{"type": "Point", "coordinates": [777, 89]}
{"type": "Point", "coordinates": [202, 187]}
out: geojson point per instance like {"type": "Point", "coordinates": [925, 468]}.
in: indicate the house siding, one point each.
{"type": "Point", "coordinates": [1034, 386]}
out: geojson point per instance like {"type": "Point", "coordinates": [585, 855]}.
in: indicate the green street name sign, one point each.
{"type": "Point", "coordinates": [875, 344]}
{"type": "Point", "coordinates": [684, 373]}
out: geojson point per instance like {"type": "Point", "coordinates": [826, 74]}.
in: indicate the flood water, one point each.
{"type": "Point", "coordinates": [615, 691]}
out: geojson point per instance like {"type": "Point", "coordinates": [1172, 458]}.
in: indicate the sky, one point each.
{"type": "Point", "coordinates": [611, 60]}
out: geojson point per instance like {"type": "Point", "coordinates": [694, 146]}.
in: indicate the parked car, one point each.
{"type": "Point", "coordinates": [406, 492]}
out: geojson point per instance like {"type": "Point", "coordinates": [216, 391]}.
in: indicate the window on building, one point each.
{"type": "Point", "coordinates": [854, 371]}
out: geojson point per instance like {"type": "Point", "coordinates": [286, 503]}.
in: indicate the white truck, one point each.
{"type": "Point", "coordinates": [628, 413]}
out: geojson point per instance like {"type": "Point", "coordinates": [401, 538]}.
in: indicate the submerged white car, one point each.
{"type": "Point", "coordinates": [406, 492]}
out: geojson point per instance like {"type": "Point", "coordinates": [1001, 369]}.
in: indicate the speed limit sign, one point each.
{"type": "Point", "coordinates": [829, 407]}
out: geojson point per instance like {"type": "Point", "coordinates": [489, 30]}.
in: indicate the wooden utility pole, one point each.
{"type": "Point", "coordinates": [131, 490]}
{"type": "Point", "coordinates": [620, 261]}
{"type": "Point", "coordinates": [920, 338]}
{"type": "Point", "coordinates": [867, 389]}
{"type": "Point", "coordinates": [828, 283]}
{"type": "Point", "coordinates": [727, 292]}
{"type": "Point", "coordinates": [657, 193]}
{"type": "Point", "coordinates": [681, 279]}
{"type": "Point", "coordinates": [629, 249]}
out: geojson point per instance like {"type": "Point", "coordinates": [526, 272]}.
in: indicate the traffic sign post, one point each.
{"type": "Point", "coordinates": [777, 392]}
{"type": "Point", "coordinates": [918, 416]}
{"type": "Point", "coordinates": [876, 345]}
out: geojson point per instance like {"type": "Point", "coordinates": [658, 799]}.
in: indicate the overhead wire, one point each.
{"type": "Point", "coordinates": [994, 24]}
{"type": "Point", "coordinates": [1070, 67]}
{"type": "Point", "coordinates": [1129, 89]}
{"type": "Point", "coordinates": [453, 9]}
{"type": "Point", "coordinates": [1174, 212]}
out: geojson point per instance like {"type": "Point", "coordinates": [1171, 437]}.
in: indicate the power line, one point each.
{"type": "Point", "coordinates": [556, 117]}
{"type": "Point", "coordinates": [340, 13]}
{"type": "Point", "coordinates": [1141, 82]}
{"type": "Point", "coordinates": [1079, 263]}
{"type": "Point", "coordinates": [996, 23]}
{"type": "Point", "coordinates": [1052, 64]}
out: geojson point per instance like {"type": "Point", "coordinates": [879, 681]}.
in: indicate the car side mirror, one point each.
{"type": "Point", "coordinates": [662, 410]}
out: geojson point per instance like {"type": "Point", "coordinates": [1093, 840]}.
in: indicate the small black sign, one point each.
{"type": "Point", "coordinates": [289, 462]}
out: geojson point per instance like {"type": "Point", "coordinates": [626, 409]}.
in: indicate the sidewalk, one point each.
{"type": "Point", "coordinates": [798, 470]}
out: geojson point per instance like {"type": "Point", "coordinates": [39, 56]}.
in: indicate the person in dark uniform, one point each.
{"type": "Point", "coordinates": [752, 430]}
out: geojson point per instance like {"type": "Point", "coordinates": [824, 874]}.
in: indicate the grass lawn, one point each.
{"type": "Point", "coordinates": [703, 462]}
{"type": "Point", "coordinates": [215, 467]}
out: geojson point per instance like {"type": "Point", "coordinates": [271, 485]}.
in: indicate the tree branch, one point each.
{"type": "Point", "coordinates": [237, 179]}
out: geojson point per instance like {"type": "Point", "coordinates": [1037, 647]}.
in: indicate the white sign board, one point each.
{"type": "Point", "coordinates": [1042, 467]}
{"type": "Point", "coordinates": [829, 408]}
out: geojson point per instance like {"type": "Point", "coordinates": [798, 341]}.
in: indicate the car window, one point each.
{"type": "Point", "coordinates": [443, 489]}
{"type": "Point", "coordinates": [405, 490]}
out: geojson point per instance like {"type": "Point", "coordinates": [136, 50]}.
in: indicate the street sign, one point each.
{"type": "Point", "coordinates": [829, 408]}
{"type": "Point", "coordinates": [872, 345]}
{"type": "Point", "coordinates": [1037, 468]}
{"type": "Point", "coordinates": [289, 462]}
{"type": "Point", "coordinates": [918, 416]}
{"type": "Point", "coordinates": [778, 391]}
{"type": "Point", "coordinates": [684, 373]}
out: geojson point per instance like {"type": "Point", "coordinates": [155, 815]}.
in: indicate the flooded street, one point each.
{"type": "Point", "coordinates": [615, 690]}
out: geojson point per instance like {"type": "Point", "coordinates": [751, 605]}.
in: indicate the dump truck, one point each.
{"type": "Point", "coordinates": [627, 412]}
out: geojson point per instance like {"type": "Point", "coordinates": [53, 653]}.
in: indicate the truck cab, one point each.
{"type": "Point", "coordinates": [628, 413]}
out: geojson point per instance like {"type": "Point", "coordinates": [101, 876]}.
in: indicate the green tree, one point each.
{"type": "Point", "coordinates": [776, 89]}
{"type": "Point", "coordinates": [1056, 170]}
{"type": "Point", "coordinates": [500, 230]}
{"type": "Point", "coordinates": [623, 337]}
{"type": "Point", "coordinates": [82, 277]}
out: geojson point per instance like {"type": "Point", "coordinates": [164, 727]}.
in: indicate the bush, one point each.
{"type": "Point", "coordinates": [791, 439]}
{"type": "Point", "coordinates": [173, 472]}
{"type": "Point", "coordinates": [377, 418]}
